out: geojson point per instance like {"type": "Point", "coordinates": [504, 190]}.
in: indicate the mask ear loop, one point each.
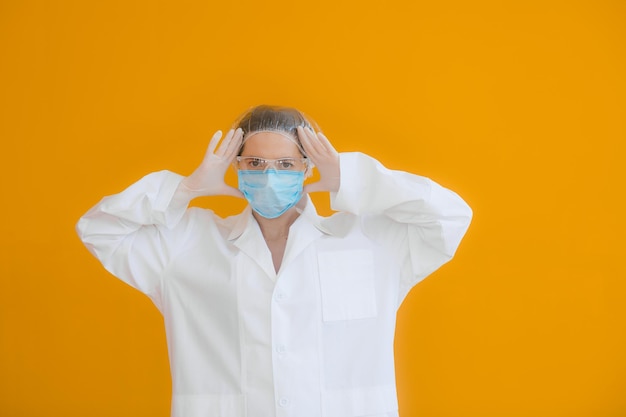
{"type": "Point", "coordinates": [308, 172]}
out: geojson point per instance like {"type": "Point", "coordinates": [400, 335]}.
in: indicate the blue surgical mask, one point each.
{"type": "Point", "coordinates": [271, 192]}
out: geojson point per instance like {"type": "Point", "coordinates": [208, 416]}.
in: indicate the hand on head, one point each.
{"type": "Point", "coordinates": [320, 151]}
{"type": "Point", "coordinates": [208, 178]}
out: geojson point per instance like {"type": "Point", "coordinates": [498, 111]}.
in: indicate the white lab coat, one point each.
{"type": "Point", "coordinates": [314, 339]}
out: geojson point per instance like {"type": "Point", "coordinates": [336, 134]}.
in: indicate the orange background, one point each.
{"type": "Point", "coordinates": [520, 108]}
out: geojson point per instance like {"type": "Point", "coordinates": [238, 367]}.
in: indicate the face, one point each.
{"type": "Point", "coordinates": [273, 193]}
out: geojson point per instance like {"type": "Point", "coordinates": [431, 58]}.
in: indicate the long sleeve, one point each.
{"type": "Point", "coordinates": [421, 220]}
{"type": "Point", "coordinates": [128, 232]}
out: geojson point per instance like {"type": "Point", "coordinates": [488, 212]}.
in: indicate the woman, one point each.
{"type": "Point", "coordinates": [278, 311]}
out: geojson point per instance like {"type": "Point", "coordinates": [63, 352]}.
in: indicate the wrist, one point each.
{"type": "Point", "coordinates": [185, 193]}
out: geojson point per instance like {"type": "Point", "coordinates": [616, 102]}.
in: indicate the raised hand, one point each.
{"type": "Point", "coordinates": [324, 156]}
{"type": "Point", "coordinates": [208, 178]}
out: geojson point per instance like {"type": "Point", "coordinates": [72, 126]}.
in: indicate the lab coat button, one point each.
{"type": "Point", "coordinates": [280, 296]}
{"type": "Point", "coordinates": [281, 349]}
{"type": "Point", "coordinates": [283, 402]}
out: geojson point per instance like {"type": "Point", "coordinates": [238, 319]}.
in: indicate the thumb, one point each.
{"type": "Point", "coordinates": [313, 187]}
{"type": "Point", "coordinates": [233, 192]}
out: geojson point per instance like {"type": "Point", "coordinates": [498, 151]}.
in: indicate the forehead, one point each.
{"type": "Point", "coordinates": [270, 145]}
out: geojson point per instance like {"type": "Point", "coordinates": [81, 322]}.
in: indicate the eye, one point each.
{"type": "Point", "coordinates": [285, 163]}
{"type": "Point", "coordinates": [256, 163]}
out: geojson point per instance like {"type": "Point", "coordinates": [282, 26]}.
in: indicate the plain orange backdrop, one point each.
{"type": "Point", "coordinates": [518, 106]}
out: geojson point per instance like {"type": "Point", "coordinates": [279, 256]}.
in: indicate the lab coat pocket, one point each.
{"type": "Point", "coordinates": [347, 284]}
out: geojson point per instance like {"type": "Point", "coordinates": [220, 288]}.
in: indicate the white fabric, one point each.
{"type": "Point", "coordinates": [314, 339]}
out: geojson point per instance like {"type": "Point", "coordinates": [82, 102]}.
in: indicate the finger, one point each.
{"type": "Point", "coordinates": [214, 141]}
{"type": "Point", "coordinates": [316, 152]}
{"type": "Point", "coordinates": [222, 149]}
{"type": "Point", "coordinates": [309, 142]}
{"type": "Point", "coordinates": [326, 143]}
{"type": "Point", "coordinates": [318, 143]}
{"type": "Point", "coordinates": [212, 145]}
{"type": "Point", "coordinates": [233, 146]}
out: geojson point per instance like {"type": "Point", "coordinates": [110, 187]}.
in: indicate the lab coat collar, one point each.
{"type": "Point", "coordinates": [308, 213]}
{"type": "Point", "coordinates": [246, 235]}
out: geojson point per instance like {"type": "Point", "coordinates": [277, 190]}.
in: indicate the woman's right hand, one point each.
{"type": "Point", "coordinates": [208, 178]}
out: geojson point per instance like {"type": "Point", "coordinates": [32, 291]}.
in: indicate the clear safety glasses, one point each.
{"type": "Point", "coordinates": [253, 163]}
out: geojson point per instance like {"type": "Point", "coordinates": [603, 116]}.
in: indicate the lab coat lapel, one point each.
{"type": "Point", "coordinates": [303, 232]}
{"type": "Point", "coordinates": [247, 236]}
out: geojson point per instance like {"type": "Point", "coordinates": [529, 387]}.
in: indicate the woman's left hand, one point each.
{"type": "Point", "coordinates": [324, 156]}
